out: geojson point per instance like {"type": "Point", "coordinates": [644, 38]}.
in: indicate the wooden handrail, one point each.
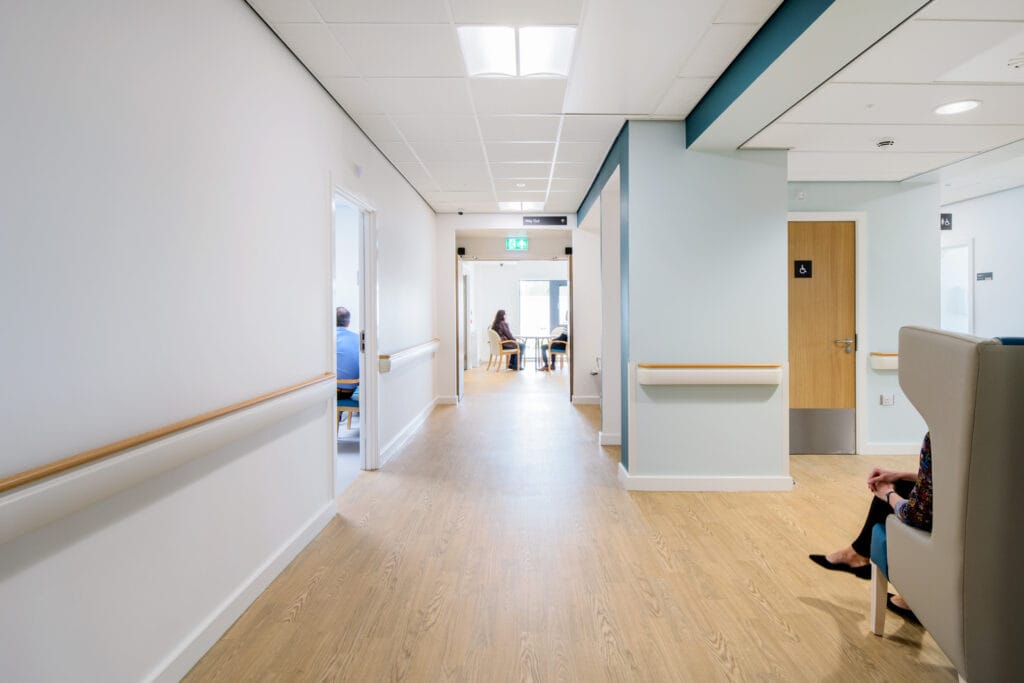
{"type": "Point", "coordinates": [712, 366]}
{"type": "Point", "coordinates": [386, 360]}
{"type": "Point", "coordinates": [86, 457]}
{"type": "Point", "coordinates": [883, 354]}
{"type": "Point", "coordinates": [405, 352]}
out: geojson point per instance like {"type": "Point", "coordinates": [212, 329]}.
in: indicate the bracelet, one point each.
{"type": "Point", "coordinates": [887, 496]}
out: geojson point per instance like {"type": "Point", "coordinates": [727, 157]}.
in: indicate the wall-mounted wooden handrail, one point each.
{"type": "Point", "coordinates": [883, 354]}
{"type": "Point", "coordinates": [388, 360]}
{"type": "Point", "coordinates": [86, 457]}
{"type": "Point", "coordinates": [710, 366]}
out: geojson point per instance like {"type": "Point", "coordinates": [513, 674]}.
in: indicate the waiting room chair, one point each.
{"type": "Point", "coordinates": [347, 405]}
{"type": "Point", "coordinates": [963, 578]}
{"type": "Point", "coordinates": [558, 348]}
{"type": "Point", "coordinates": [499, 351]}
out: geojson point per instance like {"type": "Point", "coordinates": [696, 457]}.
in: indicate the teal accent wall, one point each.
{"type": "Point", "coordinates": [781, 30]}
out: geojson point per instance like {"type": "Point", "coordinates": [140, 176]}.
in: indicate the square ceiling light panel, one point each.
{"type": "Point", "coordinates": [536, 51]}
{"type": "Point", "coordinates": [489, 50]}
{"type": "Point", "coordinates": [546, 50]}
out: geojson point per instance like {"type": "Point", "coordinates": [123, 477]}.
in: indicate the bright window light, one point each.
{"type": "Point", "coordinates": [489, 50]}
{"type": "Point", "coordinates": [510, 206]}
{"type": "Point", "coordinates": [545, 50]}
{"type": "Point", "coordinates": [533, 206]}
{"type": "Point", "coordinates": [957, 107]}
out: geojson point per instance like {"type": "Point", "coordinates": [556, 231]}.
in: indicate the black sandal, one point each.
{"type": "Point", "coordinates": [901, 611]}
{"type": "Point", "coordinates": [860, 572]}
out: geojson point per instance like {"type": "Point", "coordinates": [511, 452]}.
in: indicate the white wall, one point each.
{"type": "Point", "coordinates": [347, 227]}
{"type": "Point", "coordinates": [902, 289]}
{"type": "Point", "coordinates": [995, 225]}
{"type": "Point", "coordinates": [586, 307]}
{"type": "Point", "coordinates": [496, 286]}
{"type": "Point", "coordinates": [707, 284]}
{"type": "Point", "coordinates": [611, 311]}
{"type": "Point", "coordinates": [165, 221]}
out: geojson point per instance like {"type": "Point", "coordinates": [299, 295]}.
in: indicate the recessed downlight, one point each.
{"type": "Point", "coordinates": [958, 107]}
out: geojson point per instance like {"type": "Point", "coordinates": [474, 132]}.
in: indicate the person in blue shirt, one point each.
{"type": "Point", "coordinates": [347, 349]}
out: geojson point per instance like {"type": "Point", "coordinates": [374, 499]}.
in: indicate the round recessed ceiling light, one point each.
{"type": "Point", "coordinates": [957, 107]}
{"type": "Point", "coordinates": [520, 184]}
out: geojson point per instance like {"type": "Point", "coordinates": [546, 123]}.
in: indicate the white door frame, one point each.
{"type": "Point", "coordinates": [369, 369]}
{"type": "Point", "coordinates": [860, 218]}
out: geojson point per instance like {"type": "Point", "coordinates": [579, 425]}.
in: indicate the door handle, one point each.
{"type": "Point", "coordinates": [848, 343]}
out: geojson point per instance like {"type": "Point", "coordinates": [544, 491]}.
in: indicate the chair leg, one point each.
{"type": "Point", "coordinates": [879, 594]}
{"type": "Point", "coordinates": [350, 420]}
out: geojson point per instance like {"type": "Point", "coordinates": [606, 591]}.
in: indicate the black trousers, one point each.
{"type": "Point", "coordinates": [877, 513]}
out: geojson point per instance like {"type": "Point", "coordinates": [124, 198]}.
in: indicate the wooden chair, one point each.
{"type": "Point", "coordinates": [961, 579]}
{"type": "Point", "coordinates": [499, 351]}
{"type": "Point", "coordinates": [558, 348]}
{"type": "Point", "coordinates": [348, 405]}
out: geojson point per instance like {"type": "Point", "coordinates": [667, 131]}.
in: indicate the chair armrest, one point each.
{"type": "Point", "coordinates": [347, 382]}
{"type": "Point", "coordinates": [509, 341]}
{"type": "Point", "coordinates": [564, 343]}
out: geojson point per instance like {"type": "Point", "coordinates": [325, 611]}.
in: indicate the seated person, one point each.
{"type": "Point", "coordinates": [564, 337]}
{"type": "Point", "coordinates": [500, 325]}
{"type": "Point", "coordinates": [909, 496]}
{"type": "Point", "coordinates": [347, 351]}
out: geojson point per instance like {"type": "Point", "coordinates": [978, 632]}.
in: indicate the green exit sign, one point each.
{"type": "Point", "coordinates": [517, 243]}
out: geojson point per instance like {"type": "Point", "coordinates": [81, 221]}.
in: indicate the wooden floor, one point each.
{"type": "Point", "coordinates": [499, 546]}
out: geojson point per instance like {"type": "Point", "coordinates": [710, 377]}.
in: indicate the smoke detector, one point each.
{"type": "Point", "coordinates": [884, 143]}
{"type": "Point", "coordinates": [1016, 62]}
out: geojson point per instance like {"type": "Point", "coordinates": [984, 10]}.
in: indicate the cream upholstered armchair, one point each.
{"type": "Point", "coordinates": [963, 578]}
{"type": "Point", "coordinates": [499, 350]}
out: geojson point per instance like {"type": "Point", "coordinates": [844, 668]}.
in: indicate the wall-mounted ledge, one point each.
{"type": "Point", "coordinates": [389, 361]}
{"type": "Point", "coordinates": [708, 374]}
{"type": "Point", "coordinates": [885, 361]}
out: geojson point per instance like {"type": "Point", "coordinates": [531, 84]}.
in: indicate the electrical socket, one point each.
{"type": "Point", "coordinates": [887, 399]}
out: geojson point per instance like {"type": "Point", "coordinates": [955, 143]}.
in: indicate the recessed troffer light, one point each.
{"type": "Point", "coordinates": [539, 51]}
{"type": "Point", "coordinates": [533, 206]}
{"type": "Point", "coordinates": [510, 206]}
{"type": "Point", "coordinates": [489, 50]}
{"type": "Point", "coordinates": [958, 107]}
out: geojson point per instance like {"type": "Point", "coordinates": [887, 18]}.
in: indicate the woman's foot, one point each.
{"type": "Point", "coordinates": [845, 560]}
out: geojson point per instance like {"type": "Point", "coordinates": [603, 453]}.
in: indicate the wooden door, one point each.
{"type": "Point", "coordinates": [822, 331]}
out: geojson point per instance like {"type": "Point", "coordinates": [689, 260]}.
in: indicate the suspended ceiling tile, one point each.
{"type": "Point", "coordinates": [747, 11]}
{"type": "Point", "coordinates": [865, 166]}
{"type": "Point", "coordinates": [471, 151]}
{"type": "Point", "coordinates": [629, 53]}
{"type": "Point", "coordinates": [717, 49]}
{"type": "Point", "coordinates": [354, 95]}
{"type": "Point", "coordinates": [418, 176]}
{"type": "Point", "coordinates": [476, 207]}
{"type": "Point", "coordinates": [519, 13]}
{"type": "Point", "coordinates": [570, 185]}
{"type": "Point", "coordinates": [461, 177]}
{"type": "Point", "coordinates": [520, 170]}
{"type": "Point", "coordinates": [581, 152]}
{"type": "Point", "coordinates": [460, 197]}
{"type": "Point", "coordinates": [683, 96]}
{"type": "Point", "coordinates": [278, 11]}
{"type": "Point", "coordinates": [500, 152]}
{"type": "Point", "coordinates": [924, 51]}
{"type": "Point", "coordinates": [394, 50]}
{"type": "Point", "coordinates": [519, 128]}
{"type": "Point", "coordinates": [316, 47]}
{"type": "Point", "coordinates": [591, 128]}
{"type": "Point", "coordinates": [993, 64]}
{"type": "Point", "coordinates": [806, 137]}
{"type": "Point", "coordinates": [563, 202]}
{"type": "Point", "coordinates": [521, 196]}
{"type": "Point", "coordinates": [397, 151]}
{"type": "Point", "coordinates": [384, 11]}
{"type": "Point", "coordinates": [574, 170]}
{"type": "Point", "coordinates": [518, 95]}
{"type": "Point", "coordinates": [976, 10]}
{"type": "Point", "coordinates": [377, 127]}
{"type": "Point", "coordinates": [422, 96]}
{"type": "Point", "coordinates": [522, 185]}
{"type": "Point", "coordinates": [438, 128]}
{"type": "Point", "coordinates": [906, 103]}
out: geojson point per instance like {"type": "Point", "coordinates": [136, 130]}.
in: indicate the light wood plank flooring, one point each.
{"type": "Point", "coordinates": [499, 546]}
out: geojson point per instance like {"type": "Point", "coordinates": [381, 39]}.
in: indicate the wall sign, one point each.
{"type": "Point", "coordinates": [985, 276]}
{"type": "Point", "coordinates": [545, 220]}
{"type": "Point", "coordinates": [945, 221]}
{"type": "Point", "coordinates": [801, 269]}
{"type": "Point", "coordinates": [517, 243]}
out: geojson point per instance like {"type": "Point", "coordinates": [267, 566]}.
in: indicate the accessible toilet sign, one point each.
{"type": "Point", "coordinates": [802, 269]}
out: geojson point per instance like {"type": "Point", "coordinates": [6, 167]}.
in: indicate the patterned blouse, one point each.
{"type": "Point", "coordinates": [917, 510]}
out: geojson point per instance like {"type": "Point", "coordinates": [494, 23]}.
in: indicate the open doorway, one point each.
{"type": "Point", "coordinates": [354, 314]}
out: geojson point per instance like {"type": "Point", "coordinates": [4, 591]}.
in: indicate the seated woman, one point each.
{"type": "Point", "coordinates": [500, 325]}
{"type": "Point", "coordinates": [909, 496]}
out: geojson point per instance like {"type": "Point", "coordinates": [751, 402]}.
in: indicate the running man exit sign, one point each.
{"type": "Point", "coordinates": [517, 243]}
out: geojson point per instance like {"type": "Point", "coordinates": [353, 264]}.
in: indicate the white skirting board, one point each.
{"type": "Point", "coordinates": [446, 401]}
{"type": "Point", "coordinates": [696, 484]}
{"type": "Point", "coordinates": [890, 449]}
{"type": "Point", "coordinates": [191, 650]}
{"type": "Point", "coordinates": [586, 400]}
{"type": "Point", "coordinates": [396, 443]}
{"type": "Point", "coordinates": [609, 439]}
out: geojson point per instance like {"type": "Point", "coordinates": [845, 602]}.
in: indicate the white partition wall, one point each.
{"type": "Point", "coordinates": [586, 308]}
{"type": "Point", "coordinates": [611, 311]}
{"type": "Point", "coordinates": [707, 285]}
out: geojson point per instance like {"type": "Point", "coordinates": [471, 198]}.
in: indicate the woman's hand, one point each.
{"type": "Point", "coordinates": [881, 489]}
{"type": "Point", "coordinates": [880, 476]}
